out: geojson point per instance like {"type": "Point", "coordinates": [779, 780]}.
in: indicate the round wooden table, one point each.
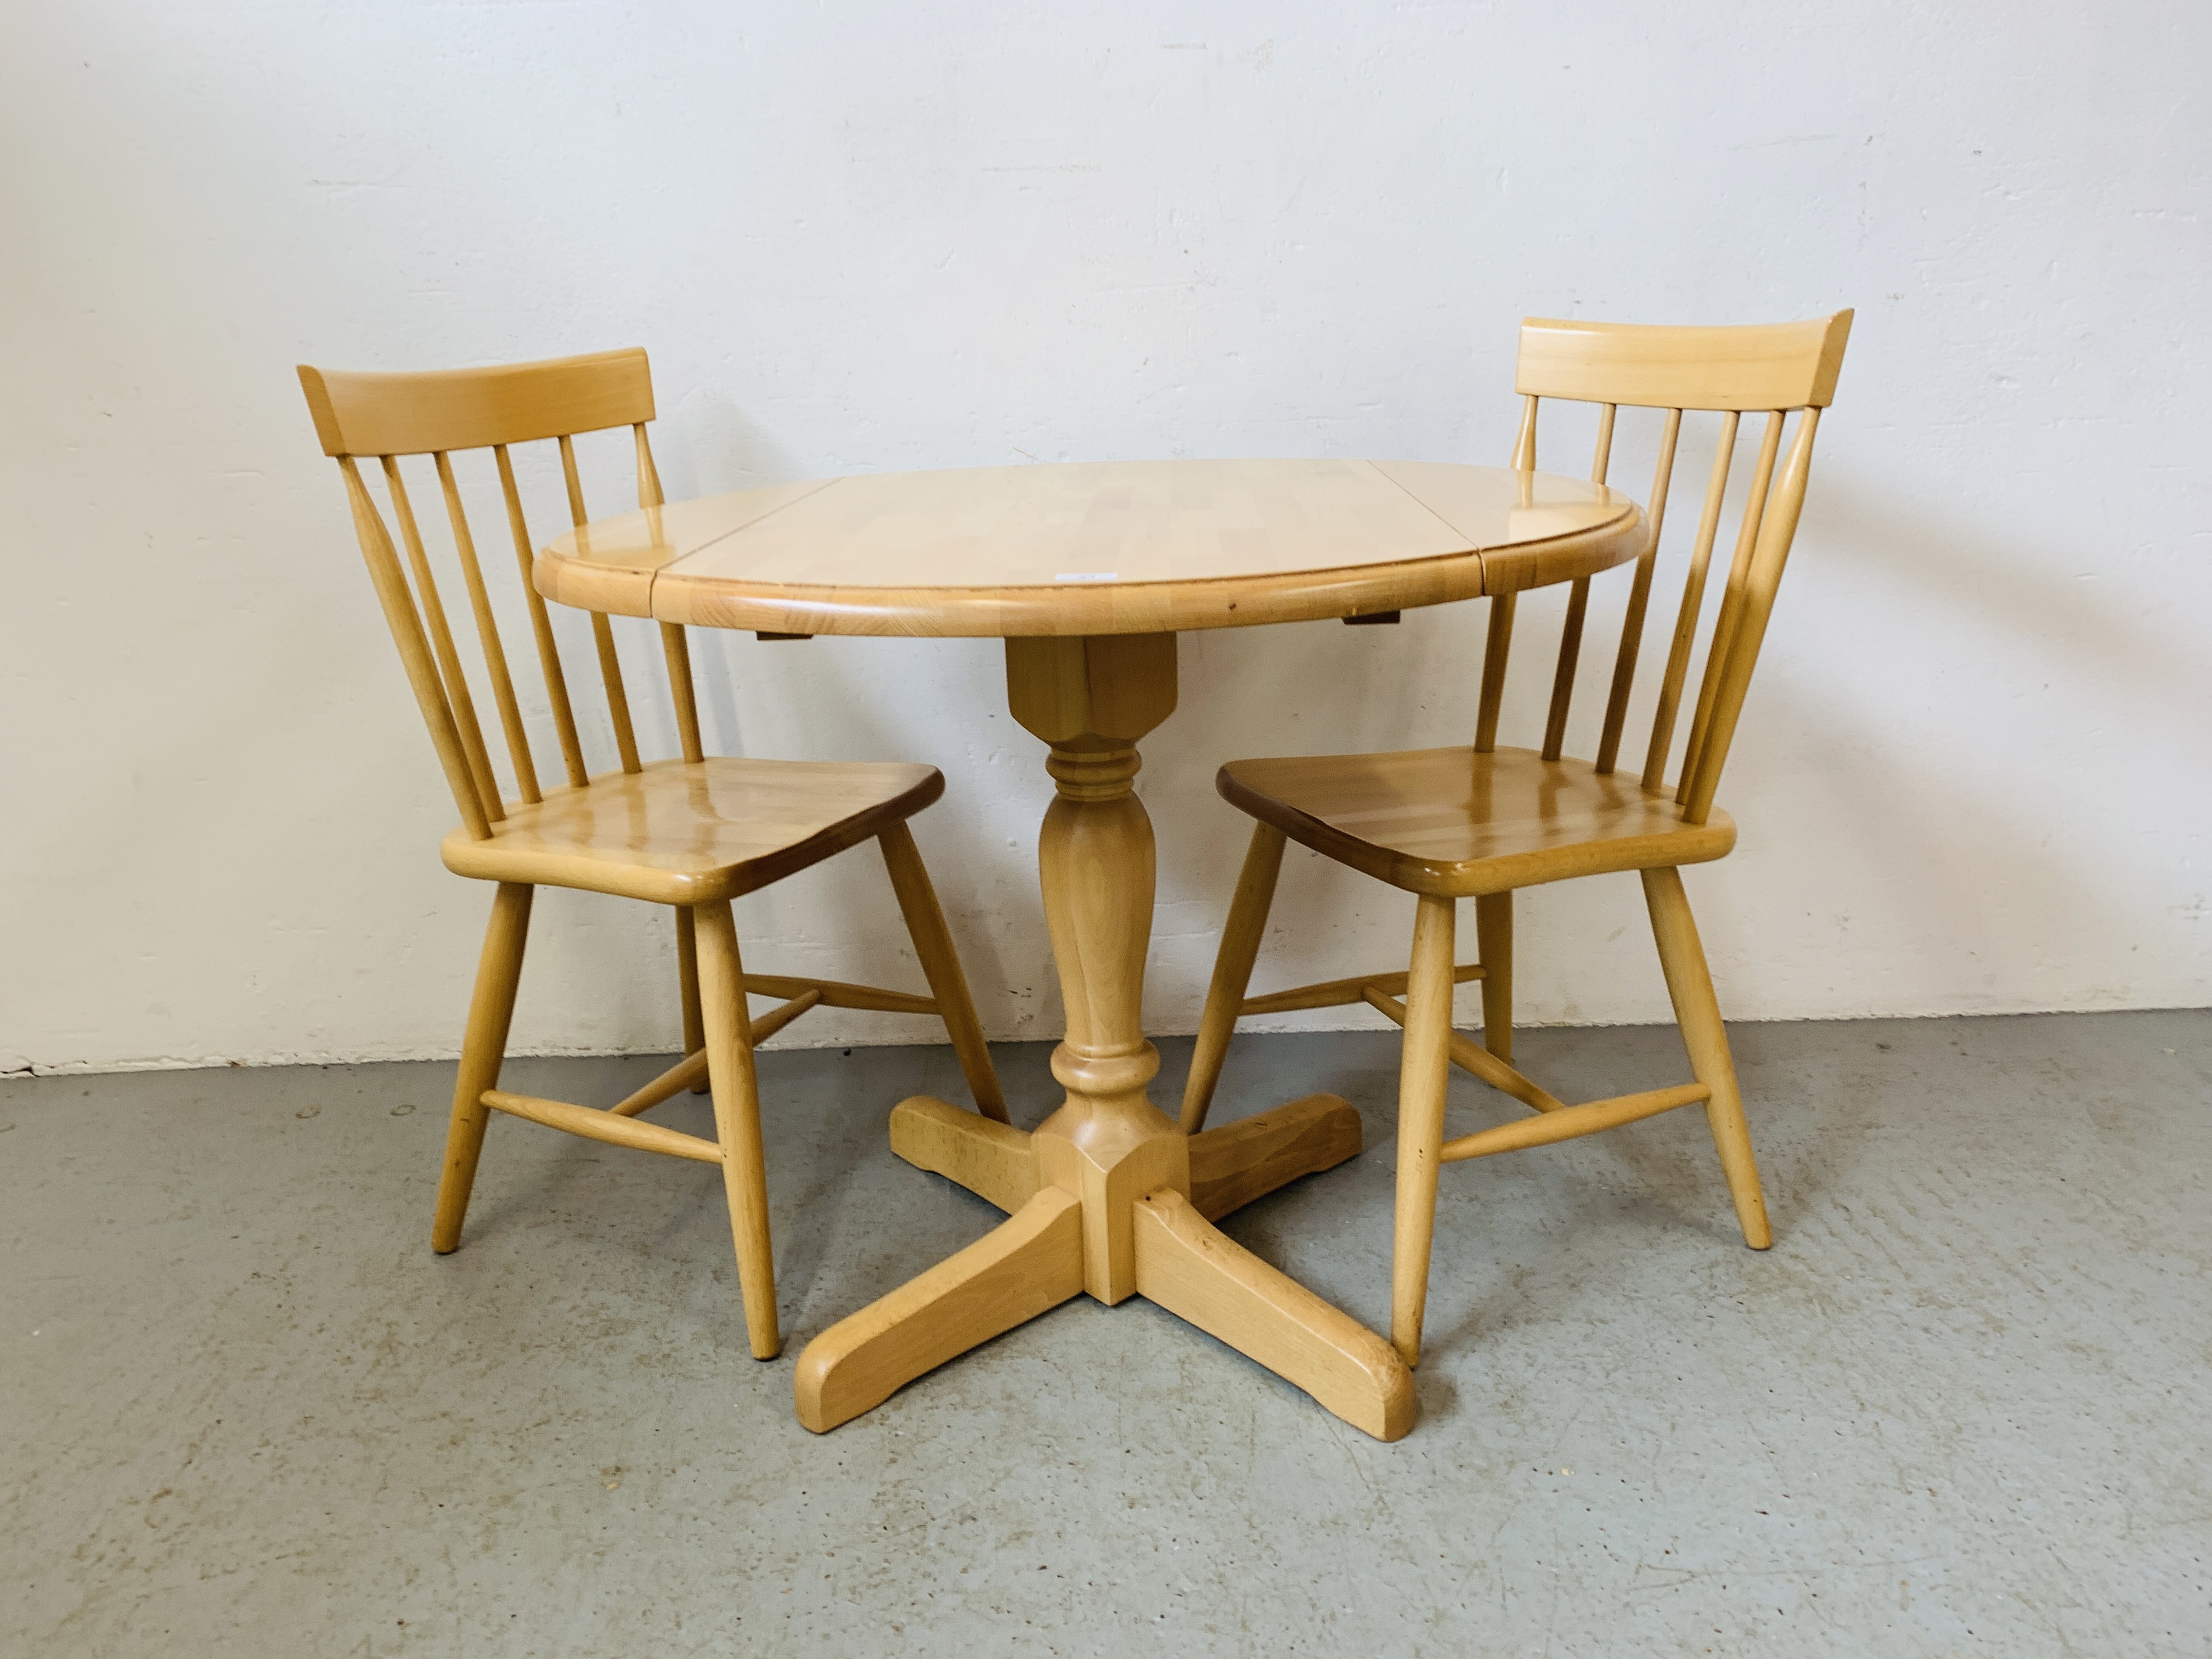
{"type": "Point", "coordinates": [1088, 572]}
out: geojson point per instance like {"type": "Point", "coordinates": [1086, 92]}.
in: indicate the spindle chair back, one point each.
{"type": "Point", "coordinates": [1774, 369]}
{"type": "Point", "coordinates": [692, 832]}
{"type": "Point", "coordinates": [1481, 822]}
{"type": "Point", "coordinates": [386, 417]}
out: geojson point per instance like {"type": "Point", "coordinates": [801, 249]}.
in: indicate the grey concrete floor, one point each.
{"type": "Point", "coordinates": [1959, 1408]}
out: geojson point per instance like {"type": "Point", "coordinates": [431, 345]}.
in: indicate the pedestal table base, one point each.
{"type": "Point", "coordinates": [1033, 1262]}
{"type": "Point", "coordinates": [1108, 1195]}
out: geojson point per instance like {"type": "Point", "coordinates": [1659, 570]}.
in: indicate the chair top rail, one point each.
{"type": "Point", "coordinates": [445, 410]}
{"type": "Point", "coordinates": [1764, 366]}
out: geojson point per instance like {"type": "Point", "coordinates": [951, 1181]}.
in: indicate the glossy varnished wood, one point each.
{"type": "Point", "coordinates": [1697, 1012]}
{"type": "Point", "coordinates": [1229, 1167]}
{"type": "Point", "coordinates": [1341, 993]}
{"type": "Point", "coordinates": [691, 833]}
{"type": "Point", "coordinates": [608, 565]}
{"type": "Point", "coordinates": [439, 411]}
{"type": "Point", "coordinates": [685, 833]}
{"type": "Point", "coordinates": [1232, 970]}
{"type": "Point", "coordinates": [1175, 1257]}
{"type": "Point", "coordinates": [735, 1092]}
{"type": "Point", "coordinates": [1666, 366]}
{"type": "Point", "coordinates": [613, 1127]}
{"type": "Point", "coordinates": [1116, 1199]}
{"type": "Point", "coordinates": [940, 965]}
{"type": "Point", "coordinates": [1028, 1265]}
{"type": "Point", "coordinates": [1454, 821]}
{"type": "Point", "coordinates": [992, 1160]}
{"type": "Point", "coordinates": [1239, 1162]}
{"type": "Point", "coordinates": [1422, 1079]}
{"type": "Point", "coordinates": [1089, 571]}
{"type": "Point", "coordinates": [1199, 1273]}
{"type": "Point", "coordinates": [1482, 822]}
{"type": "Point", "coordinates": [483, 1052]}
{"type": "Point", "coordinates": [1141, 547]}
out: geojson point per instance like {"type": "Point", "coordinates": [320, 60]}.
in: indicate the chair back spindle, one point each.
{"type": "Point", "coordinates": [675, 646]}
{"type": "Point", "coordinates": [603, 629]}
{"type": "Point", "coordinates": [1497, 644]}
{"type": "Point", "coordinates": [1639, 595]}
{"type": "Point", "coordinates": [406, 626]}
{"type": "Point", "coordinates": [1571, 633]}
{"type": "Point", "coordinates": [1498, 641]}
{"type": "Point", "coordinates": [1693, 596]}
{"type": "Point", "coordinates": [389, 417]}
{"type": "Point", "coordinates": [1738, 651]}
{"type": "Point", "coordinates": [488, 639]}
{"type": "Point", "coordinates": [1777, 368]}
{"type": "Point", "coordinates": [1732, 595]}
{"type": "Point", "coordinates": [540, 625]}
{"type": "Point", "coordinates": [442, 641]}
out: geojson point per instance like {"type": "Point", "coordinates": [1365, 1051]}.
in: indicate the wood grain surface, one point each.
{"type": "Point", "coordinates": [1093, 548]}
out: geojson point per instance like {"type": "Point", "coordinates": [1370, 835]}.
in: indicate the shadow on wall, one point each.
{"type": "Point", "coordinates": [2090, 645]}
{"type": "Point", "coordinates": [1988, 826]}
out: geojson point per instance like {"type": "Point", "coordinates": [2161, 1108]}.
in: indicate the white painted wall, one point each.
{"type": "Point", "coordinates": [1974, 773]}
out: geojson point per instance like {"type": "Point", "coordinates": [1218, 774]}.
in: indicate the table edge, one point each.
{"type": "Point", "coordinates": [664, 594]}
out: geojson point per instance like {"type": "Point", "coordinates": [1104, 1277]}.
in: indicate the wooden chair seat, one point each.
{"type": "Point", "coordinates": [695, 832]}
{"type": "Point", "coordinates": [1456, 823]}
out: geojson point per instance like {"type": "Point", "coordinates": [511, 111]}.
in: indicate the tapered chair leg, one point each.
{"type": "Point", "coordinates": [737, 1120]}
{"type": "Point", "coordinates": [1423, 1071]}
{"type": "Point", "coordinates": [1690, 983]}
{"type": "Point", "coordinates": [491, 1011]}
{"type": "Point", "coordinates": [1494, 941]}
{"type": "Point", "coordinates": [940, 966]}
{"type": "Point", "coordinates": [1232, 971]}
{"type": "Point", "coordinates": [687, 981]}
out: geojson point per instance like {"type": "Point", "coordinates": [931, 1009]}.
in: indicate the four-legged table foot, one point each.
{"type": "Point", "coordinates": [1034, 1261]}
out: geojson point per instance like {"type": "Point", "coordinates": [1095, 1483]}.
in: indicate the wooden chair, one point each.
{"type": "Point", "coordinates": [693, 834]}
{"type": "Point", "coordinates": [1480, 822]}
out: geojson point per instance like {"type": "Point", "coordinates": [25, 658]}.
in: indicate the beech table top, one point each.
{"type": "Point", "coordinates": [1115, 547]}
